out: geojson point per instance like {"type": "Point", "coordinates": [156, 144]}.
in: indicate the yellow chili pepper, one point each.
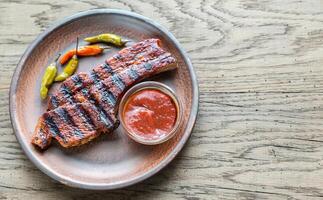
{"type": "Point", "coordinates": [107, 38]}
{"type": "Point", "coordinates": [70, 67]}
{"type": "Point", "coordinates": [48, 78]}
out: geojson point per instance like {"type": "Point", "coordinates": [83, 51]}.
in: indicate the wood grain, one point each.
{"type": "Point", "coordinates": [118, 161]}
{"type": "Point", "coordinates": [259, 134]}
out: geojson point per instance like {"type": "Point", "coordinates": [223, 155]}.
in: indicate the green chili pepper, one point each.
{"type": "Point", "coordinates": [70, 67]}
{"type": "Point", "coordinates": [48, 78]}
{"type": "Point", "coordinates": [107, 38]}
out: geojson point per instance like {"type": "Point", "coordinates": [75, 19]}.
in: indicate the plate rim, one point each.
{"type": "Point", "coordinates": [114, 185]}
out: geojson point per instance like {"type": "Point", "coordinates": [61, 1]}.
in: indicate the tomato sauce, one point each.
{"type": "Point", "coordinates": [150, 113]}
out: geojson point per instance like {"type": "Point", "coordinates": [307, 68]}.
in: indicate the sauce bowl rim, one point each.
{"type": "Point", "coordinates": [165, 90]}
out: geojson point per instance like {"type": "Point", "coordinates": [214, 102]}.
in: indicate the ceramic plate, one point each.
{"type": "Point", "coordinates": [113, 160]}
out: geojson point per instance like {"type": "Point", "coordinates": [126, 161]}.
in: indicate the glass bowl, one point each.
{"type": "Point", "coordinates": [163, 88]}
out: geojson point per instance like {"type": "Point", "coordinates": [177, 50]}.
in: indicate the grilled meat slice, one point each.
{"type": "Point", "coordinates": [135, 53]}
{"type": "Point", "coordinates": [72, 125]}
{"type": "Point", "coordinates": [138, 53]}
{"type": "Point", "coordinates": [150, 53]}
{"type": "Point", "coordinates": [83, 113]}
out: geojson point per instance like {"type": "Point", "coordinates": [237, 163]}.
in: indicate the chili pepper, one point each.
{"type": "Point", "coordinates": [91, 50]}
{"type": "Point", "coordinates": [70, 67]}
{"type": "Point", "coordinates": [107, 38]}
{"type": "Point", "coordinates": [48, 78]}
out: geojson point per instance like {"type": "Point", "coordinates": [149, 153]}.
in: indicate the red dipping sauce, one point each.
{"type": "Point", "coordinates": [150, 113]}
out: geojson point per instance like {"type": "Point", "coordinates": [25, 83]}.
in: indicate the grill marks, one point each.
{"type": "Point", "coordinates": [65, 116]}
{"type": "Point", "coordinates": [52, 127]}
{"type": "Point", "coordinates": [147, 66]}
{"type": "Point", "coordinates": [72, 125]}
{"type": "Point", "coordinates": [128, 57]}
{"type": "Point", "coordinates": [95, 77]}
{"type": "Point", "coordinates": [77, 80]}
{"type": "Point", "coordinates": [101, 72]}
{"type": "Point", "coordinates": [104, 114]}
{"type": "Point", "coordinates": [117, 80]}
{"type": "Point", "coordinates": [107, 92]}
{"type": "Point", "coordinates": [85, 105]}
{"type": "Point", "coordinates": [102, 94]}
{"type": "Point", "coordinates": [68, 121]}
{"type": "Point", "coordinates": [103, 100]}
{"type": "Point", "coordinates": [84, 115]}
{"type": "Point", "coordinates": [132, 74]}
{"type": "Point", "coordinates": [53, 102]}
{"type": "Point", "coordinates": [67, 94]}
{"type": "Point", "coordinates": [107, 68]}
{"type": "Point", "coordinates": [108, 97]}
{"type": "Point", "coordinates": [138, 72]}
{"type": "Point", "coordinates": [67, 90]}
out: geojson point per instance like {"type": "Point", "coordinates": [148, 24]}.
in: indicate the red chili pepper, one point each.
{"type": "Point", "coordinates": [90, 50]}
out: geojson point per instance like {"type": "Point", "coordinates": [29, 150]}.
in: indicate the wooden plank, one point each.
{"type": "Point", "coordinates": [259, 131]}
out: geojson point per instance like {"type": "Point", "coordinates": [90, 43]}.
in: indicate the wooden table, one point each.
{"type": "Point", "coordinates": [259, 133]}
